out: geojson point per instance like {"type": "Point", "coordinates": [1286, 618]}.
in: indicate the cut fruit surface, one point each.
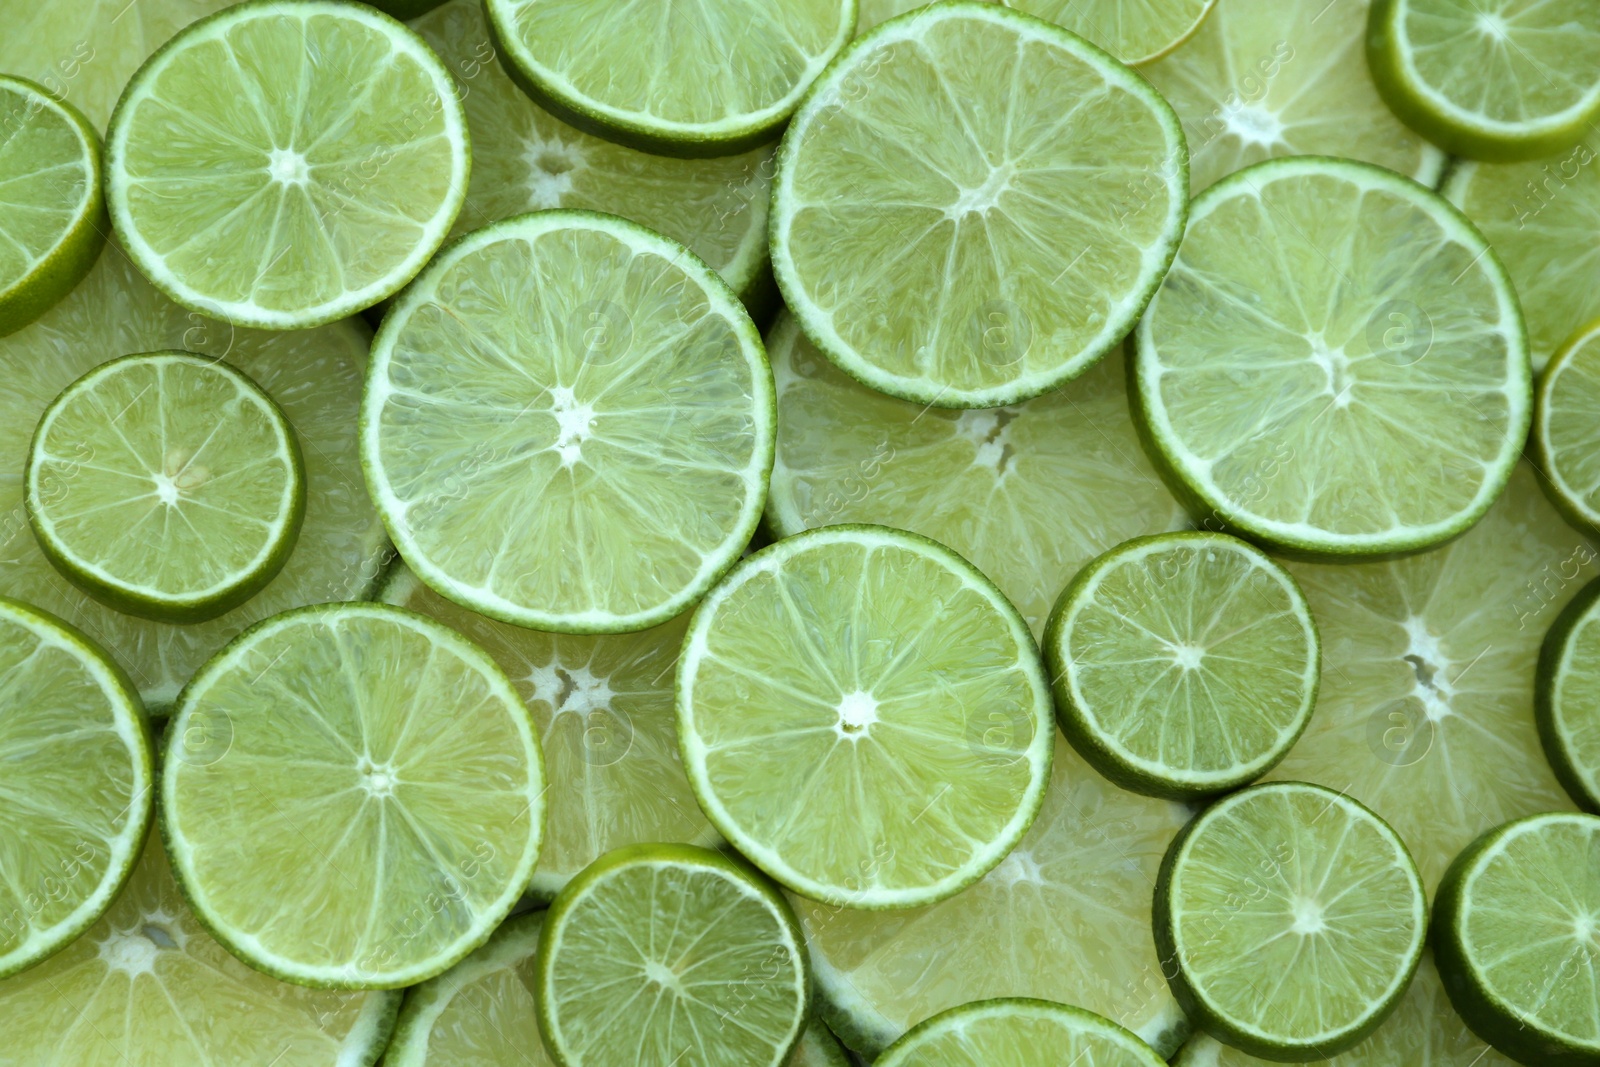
{"type": "Point", "coordinates": [1018, 1033]}
{"type": "Point", "coordinates": [1134, 31]}
{"type": "Point", "coordinates": [1567, 697]}
{"type": "Point", "coordinates": [1566, 431]}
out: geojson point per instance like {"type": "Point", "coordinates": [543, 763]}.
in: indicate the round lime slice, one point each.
{"type": "Point", "coordinates": [656, 953]}
{"type": "Point", "coordinates": [1386, 362]}
{"type": "Point", "coordinates": [1183, 664]}
{"type": "Point", "coordinates": [1567, 697]}
{"type": "Point", "coordinates": [832, 694]}
{"type": "Point", "coordinates": [1565, 437]}
{"type": "Point", "coordinates": [353, 796]}
{"type": "Point", "coordinates": [286, 163]}
{"type": "Point", "coordinates": [1290, 918]}
{"type": "Point", "coordinates": [1517, 935]}
{"type": "Point", "coordinates": [54, 222]}
{"type": "Point", "coordinates": [951, 239]}
{"type": "Point", "coordinates": [1018, 1033]}
{"type": "Point", "coordinates": [1135, 31]}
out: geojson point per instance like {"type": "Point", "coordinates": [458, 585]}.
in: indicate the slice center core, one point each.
{"type": "Point", "coordinates": [857, 711]}
{"type": "Point", "coordinates": [288, 167]}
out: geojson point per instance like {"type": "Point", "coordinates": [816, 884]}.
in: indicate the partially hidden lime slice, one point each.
{"type": "Point", "coordinates": [285, 163]}
{"type": "Point", "coordinates": [656, 953]}
{"type": "Point", "coordinates": [1018, 1033]}
{"type": "Point", "coordinates": [77, 789]}
{"type": "Point", "coordinates": [1389, 391]}
{"type": "Point", "coordinates": [568, 424]}
{"type": "Point", "coordinates": [1183, 664]}
{"type": "Point", "coordinates": [984, 243]}
{"type": "Point", "coordinates": [1489, 79]}
{"type": "Point", "coordinates": [1135, 31]}
{"type": "Point", "coordinates": [166, 485]}
{"type": "Point", "coordinates": [54, 223]}
{"type": "Point", "coordinates": [864, 716]}
{"type": "Point", "coordinates": [353, 796]}
{"type": "Point", "coordinates": [1566, 437]}
{"type": "Point", "coordinates": [147, 986]}
{"type": "Point", "coordinates": [1028, 493]}
{"type": "Point", "coordinates": [1290, 919]}
{"type": "Point", "coordinates": [1567, 697]}
{"type": "Point", "coordinates": [1517, 936]}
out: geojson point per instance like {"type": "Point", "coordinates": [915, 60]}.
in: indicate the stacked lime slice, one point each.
{"type": "Point", "coordinates": [1565, 438]}
{"type": "Point", "coordinates": [1135, 31]}
{"type": "Point", "coordinates": [1567, 697]}
{"type": "Point", "coordinates": [1018, 1033]}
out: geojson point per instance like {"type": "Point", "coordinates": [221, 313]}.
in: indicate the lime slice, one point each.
{"type": "Point", "coordinates": [146, 986]}
{"type": "Point", "coordinates": [1389, 390]}
{"type": "Point", "coordinates": [1028, 493]}
{"type": "Point", "coordinates": [1518, 938]}
{"type": "Point", "coordinates": [323, 195]}
{"type": "Point", "coordinates": [1135, 31]}
{"type": "Point", "coordinates": [832, 696]}
{"type": "Point", "coordinates": [1184, 664]}
{"type": "Point", "coordinates": [1567, 697]}
{"type": "Point", "coordinates": [314, 375]}
{"type": "Point", "coordinates": [353, 796]}
{"type": "Point", "coordinates": [1290, 919]}
{"type": "Point", "coordinates": [166, 485]}
{"type": "Point", "coordinates": [1018, 1033]}
{"type": "Point", "coordinates": [660, 952]}
{"type": "Point", "coordinates": [54, 222]}
{"type": "Point", "coordinates": [974, 244]}
{"type": "Point", "coordinates": [1425, 712]}
{"type": "Point", "coordinates": [603, 708]}
{"type": "Point", "coordinates": [1489, 79]}
{"type": "Point", "coordinates": [1264, 78]}
{"type": "Point", "coordinates": [712, 78]}
{"type": "Point", "coordinates": [1065, 917]}
{"type": "Point", "coordinates": [1565, 438]}
{"type": "Point", "coordinates": [525, 159]}
{"type": "Point", "coordinates": [551, 458]}
{"type": "Point", "coordinates": [76, 795]}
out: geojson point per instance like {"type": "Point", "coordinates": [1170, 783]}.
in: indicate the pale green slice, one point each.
{"type": "Point", "coordinates": [1336, 364]}
{"type": "Point", "coordinates": [603, 708]}
{"type": "Point", "coordinates": [52, 207]}
{"type": "Point", "coordinates": [1268, 78]}
{"type": "Point", "coordinates": [973, 205]}
{"type": "Point", "coordinates": [864, 716]}
{"type": "Point", "coordinates": [1566, 694]}
{"type": "Point", "coordinates": [1134, 31]}
{"type": "Point", "coordinates": [1565, 438]}
{"type": "Point", "coordinates": [76, 796]}
{"type": "Point", "coordinates": [1291, 919]}
{"type": "Point", "coordinates": [1489, 79]}
{"type": "Point", "coordinates": [147, 986]}
{"type": "Point", "coordinates": [1518, 938]}
{"type": "Point", "coordinates": [285, 163]}
{"type": "Point", "coordinates": [568, 424]}
{"type": "Point", "coordinates": [166, 485]}
{"type": "Point", "coordinates": [1183, 664]}
{"type": "Point", "coordinates": [1018, 1033]}
{"type": "Point", "coordinates": [658, 954]}
{"type": "Point", "coordinates": [1425, 712]}
{"type": "Point", "coordinates": [1065, 917]}
{"type": "Point", "coordinates": [1028, 493]}
{"type": "Point", "coordinates": [353, 796]}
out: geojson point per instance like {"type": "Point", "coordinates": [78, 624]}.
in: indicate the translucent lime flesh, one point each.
{"type": "Point", "coordinates": [1019, 1033]}
{"type": "Point", "coordinates": [314, 375]}
{"type": "Point", "coordinates": [1135, 31]}
{"type": "Point", "coordinates": [1566, 436]}
{"type": "Point", "coordinates": [1028, 493]}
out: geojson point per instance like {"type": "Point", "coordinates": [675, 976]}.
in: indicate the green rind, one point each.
{"type": "Point", "coordinates": [1575, 511]}
{"type": "Point", "coordinates": [904, 1052]}
{"type": "Point", "coordinates": [1545, 712]}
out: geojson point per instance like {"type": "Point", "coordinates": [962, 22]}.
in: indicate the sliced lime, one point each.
{"type": "Point", "coordinates": [1065, 917]}
{"type": "Point", "coordinates": [353, 796]}
{"type": "Point", "coordinates": [54, 223]}
{"type": "Point", "coordinates": [1566, 435]}
{"type": "Point", "coordinates": [975, 243]}
{"type": "Point", "coordinates": [1517, 933]}
{"type": "Point", "coordinates": [285, 163]}
{"type": "Point", "coordinates": [1489, 79]}
{"type": "Point", "coordinates": [1264, 78]}
{"type": "Point", "coordinates": [1018, 1033]}
{"type": "Point", "coordinates": [1387, 368]}
{"type": "Point", "coordinates": [1183, 664]}
{"type": "Point", "coordinates": [1566, 694]}
{"type": "Point", "coordinates": [1290, 919]}
{"type": "Point", "coordinates": [314, 375]}
{"type": "Point", "coordinates": [552, 458]}
{"type": "Point", "coordinates": [76, 796]}
{"type": "Point", "coordinates": [1135, 31]}
{"type": "Point", "coordinates": [660, 952]}
{"type": "Point", "coordinates": [864, 716]}
{"type": "Point", "coordinates": [1425, 712]}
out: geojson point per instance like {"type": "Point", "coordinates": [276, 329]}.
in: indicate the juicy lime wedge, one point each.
{"type": "Point", "coordinates": [568, 424]}
{"type": "Point", "coordinates": [662, 953]}
{"type": "Point", "coordinates": [1567, 697]}
{"type": "Point", "coordinates": [1383, 349]}
{"type": "Point", "coordinates": [353, 796]}
{"type": "Point", "coordinates": [1018, 1033]}
{"type": "Point", "coordinates": [1566, 434]}
{"type": "Point", "coordinates": [1183, 664]}
{"type": "Point", "coordinates": [975, 244]}
{"type": "Point", "coordinates": [77, 788]}
{"type": "Point", "coordinates": [864, 716]}
{"type": "Point", "coordinates": [324, 194]}
{"type": "Point", "coordinates": [54, 222]}
{"type": "Point", "coordinates": [1291, 919]}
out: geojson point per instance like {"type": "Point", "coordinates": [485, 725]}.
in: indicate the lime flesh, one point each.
{"type": "Point", "coordinates": [1565, 442]}
{"type": "Point", "coordinates": [1018, 1033]}
{"type": "Point", "coordinates": [1135, 31]}
{"type": "Point", "coordinates": [1566, 701]}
